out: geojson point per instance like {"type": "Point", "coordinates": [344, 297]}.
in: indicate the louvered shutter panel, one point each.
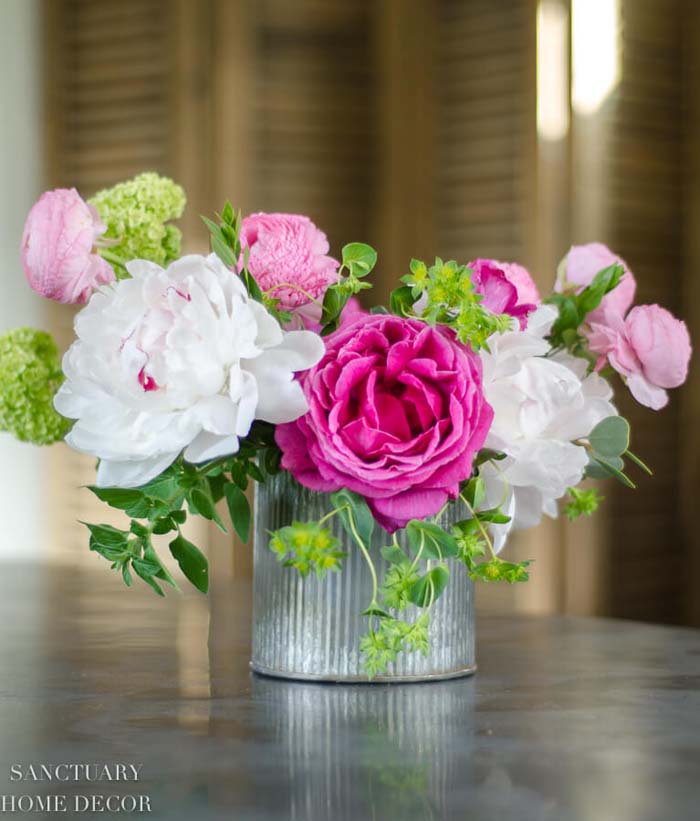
{"type": "Point", "coordinates": [639, 157]}
{"type": "Point", "coordinates": [108, 69]}
{"type": "Point", "coordinates": [483, 58]}
{"type": "Point", "coordinates": [311, 114]}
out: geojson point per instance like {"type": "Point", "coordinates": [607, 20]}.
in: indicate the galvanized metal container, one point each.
{"type": "Point", "coordinates": [309, 628]}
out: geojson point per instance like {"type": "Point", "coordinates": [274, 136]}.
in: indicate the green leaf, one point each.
{"type": "Point", "coordinates": [192, 562]}
{"type": "Point", "coordinates": [334, 302]}
{"type": "Point", "coordinates": [603, 282]}
{"type": "Point", "coordinates": [145, 571]}
{"type": "Point", "coordinates": [164, 487]}
{"type": "Point", "coordinates": [401, 301]}
{"type": "Point", "coordinates": [488, 455]}
{"type": "Point", "coordinates": [394, 555]}
{"type": "Point", "coordinates": [493, 516]}
{"type": "Point", "coordinates": [437, 544]}
{"type": "Point", "coordinates": [120, 498]}
{"type": "Point", "coordinates": [202, 503]}
{"type": "Point", "coordinates": [227, 214]}
{"type": "Point", "coordinates": [602, 468]}
{"type": "Point", "coordinates": [107, 536]}
{"type": "Point", "coordinates": [639, 463]}
{"type": "Point", "coordinates": [429, 586]}
{"type": "Point", "coordinates": [239, 510]}
{"type": "Point", "coordinates": [360, 512]}
{"type": "Point", "coordinates": [569, 316]}
{"type": "Point", "coordinates": [611, 437]}
{"type": "Point", "coordinates": [359, 258]}
{"type": "Point", "coordinates": [475, 492]}
{"type": "Point", "coordinates": [373, 610]}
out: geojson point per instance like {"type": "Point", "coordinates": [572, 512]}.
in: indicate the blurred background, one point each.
{"type": "Point", "coordinates": [464, 128]}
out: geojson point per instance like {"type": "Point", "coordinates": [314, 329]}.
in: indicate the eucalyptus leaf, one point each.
{"type": "Point", "coordinates": [611, 437]}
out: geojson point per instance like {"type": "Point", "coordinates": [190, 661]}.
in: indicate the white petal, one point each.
{"type": "Point", "coordinates": [133, 473]}
{"type": "Point", "coordinates": [269, 333]}
{"type": "Point", "coordinates": [142, 268]}
{"type": "Point", "coordinates": [208, 446]}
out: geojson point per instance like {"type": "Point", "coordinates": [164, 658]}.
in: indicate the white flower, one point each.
{"type": "Point", "coordinates": [541, 405]}
{"type": "Point", "coordinates": [177, 359]}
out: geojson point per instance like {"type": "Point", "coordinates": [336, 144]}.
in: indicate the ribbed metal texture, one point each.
{"type": "Point", "coordinates": [366, 752]}
{"type": "Point", "coordinates": [311, 629]}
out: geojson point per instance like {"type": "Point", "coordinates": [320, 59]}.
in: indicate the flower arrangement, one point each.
{"type": "Point", "coordinates": [192, 376]}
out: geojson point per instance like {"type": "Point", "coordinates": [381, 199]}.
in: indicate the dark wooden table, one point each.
{"type": "Point", "coordinates": [566, 718]}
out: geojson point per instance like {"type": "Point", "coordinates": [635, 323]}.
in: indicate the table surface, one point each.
{"type": "Point", "coordinates": [566, 718]}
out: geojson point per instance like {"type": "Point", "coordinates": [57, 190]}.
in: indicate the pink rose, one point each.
{"type": "Point", "coordinates": [58, 247]}
{"type": "Point", "coordinates": [396, 414]}
{"type": "Point", "coordinates": [507, 288]}
{"type": "Point", "coordinates": [580, 266]}
{"type": "Point", "coordinates": [289, 259]}
{"type": "Point", "coordinates": [650, 348]}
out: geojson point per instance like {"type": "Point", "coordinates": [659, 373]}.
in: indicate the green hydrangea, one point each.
{"type": "Point", "coordinates": [30, 375]}
{"type": "Point", "coordinates": [136, 213]}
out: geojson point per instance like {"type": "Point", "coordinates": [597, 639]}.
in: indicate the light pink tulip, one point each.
{"type": "Point", "coordinates": [650, 348]}
{"type": "Point", "coordinates": [58, 247]}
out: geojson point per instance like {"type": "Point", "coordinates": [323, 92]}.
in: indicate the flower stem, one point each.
{"type": "Point", "coordinates": [481, 527]}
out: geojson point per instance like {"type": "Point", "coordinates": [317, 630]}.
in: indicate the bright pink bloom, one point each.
{"type": "Point", "coordinates": [289, 259]}
{"type": "Point", "coordinates": [396, 414]}
{"type": "Point", "coordinates": [507, 288]}
{"type": "Point", "coordinates": [650, 348]}
{"type": "Point", "coordinates": [57, 247]}
{"type": "Point", "coordinates": [580, 266]}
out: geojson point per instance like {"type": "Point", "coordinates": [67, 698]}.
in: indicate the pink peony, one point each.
{"type": "Point", "coordinates": [57, 247]}
{"type": "Point", "coordinates": [396, 413]}
{"type": "Point", "coordinates": [289, 259]}
{"type": "Point", "coordinates": [580, 266]}
{"type": "Point", "coordinates": [650, 348]}
{"type": "Point", "coordinates": [507, 288]}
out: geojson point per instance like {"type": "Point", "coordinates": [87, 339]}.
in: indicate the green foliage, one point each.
{"type": "Point", "coordinates": [610, 437]}
{"type": "Point", "coordinates": [135, 213]}
{"type": "Point", "coordinates": [427, 588]}
{"type": "Point", "coordinates": [381, 647]}
{"type": "Point", "coordinates": [498, 570]}
{"type": "Point", "coordinates": [430, 540]}
{"type": "Point", "coordinates": [30, 376]}
{"type": "Point", "coordinates": [307, 547]}
{"type": "Point", "coordinates": [355, 515]}
{"type": "Point", "coordinates": [607, 444]}
{"type": "Point", "coordinates": [450, 299]}
{"type": "Point", "coordinates": [161, 507]}
{"type": "Point", "coordinates": [358, 260]}
{"type": "Point", "coordinates": [396, 587]}
{"type": "Point", "coordinates": [574, 308]}
{"type": "Point", "coordinates": [192, 562]}
{"type": "Point", "coordinates": [583, 503]}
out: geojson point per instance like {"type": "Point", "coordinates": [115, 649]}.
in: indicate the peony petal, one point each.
{"type": "Point", "coordinates": [132, 473]}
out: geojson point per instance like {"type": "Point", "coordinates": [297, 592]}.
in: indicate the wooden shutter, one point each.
{"type": "Point", "coordinates": [109, 66]}
{"type": "Point", "coordinates": [629, 155]}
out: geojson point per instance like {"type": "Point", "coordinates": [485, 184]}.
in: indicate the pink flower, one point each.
{"type": "Point", "coordinates": [580, 266]}
{"type": "Point", "coordinates": [396, 414]}
{"type": "Point", "coordinates": [507, 287]}
{"type": "Point", "coordinates": [650, 348]}
{"type": "Point", "coordinates": [289, 259]}
{"type": "Point", "coordinates": [57, 247]}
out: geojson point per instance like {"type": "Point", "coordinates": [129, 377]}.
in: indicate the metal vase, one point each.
{"type": "Point", "coordinates": [310, 629]}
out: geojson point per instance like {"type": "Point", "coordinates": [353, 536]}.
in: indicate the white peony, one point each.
{"type": "Point", "coordinates": [177, 359]}
{"type": "Point", "coordinates": [541, 405]}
